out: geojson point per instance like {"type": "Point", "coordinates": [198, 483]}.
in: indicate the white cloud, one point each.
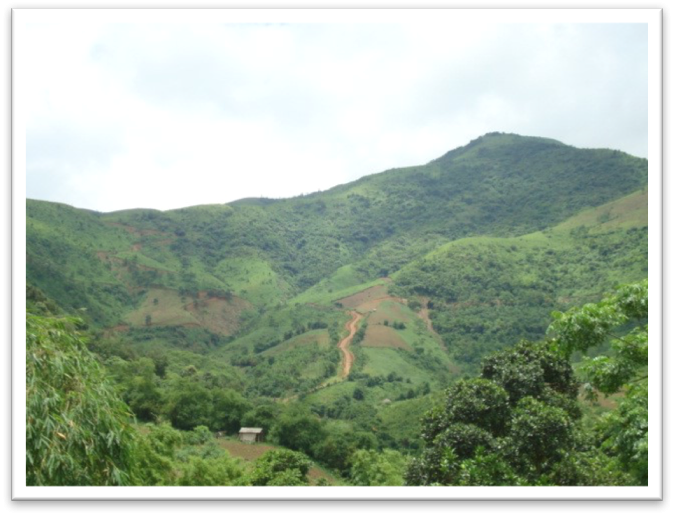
{"type": "Point", "coordinates": [170, 115]}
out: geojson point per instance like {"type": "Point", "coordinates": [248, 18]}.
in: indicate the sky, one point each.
{"type": "Point", "coordinates": [169, 115]}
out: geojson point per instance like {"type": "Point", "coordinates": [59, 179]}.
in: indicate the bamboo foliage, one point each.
{"type": "Point", "coordinates": [77, 429]}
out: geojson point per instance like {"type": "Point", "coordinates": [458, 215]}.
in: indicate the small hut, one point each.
{"type": "Point", "coordinates": [251, 434]}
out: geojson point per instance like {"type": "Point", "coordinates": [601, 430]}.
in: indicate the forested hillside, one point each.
{"type": "Point", "coordinates": [498, 185]}
{"type": "Point", "coordinates": [336, 320]}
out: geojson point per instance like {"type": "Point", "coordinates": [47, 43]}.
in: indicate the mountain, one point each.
{"type": "Point", "coordinates": [429, 267]}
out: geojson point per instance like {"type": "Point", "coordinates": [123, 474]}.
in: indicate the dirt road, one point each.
{"type": "Point", "coordinates": [352, 326]}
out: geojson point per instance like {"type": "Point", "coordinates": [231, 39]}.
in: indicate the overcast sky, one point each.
{"type": "Point", "coordinates": [171, 115]}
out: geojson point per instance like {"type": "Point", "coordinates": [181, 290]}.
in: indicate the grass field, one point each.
{"type": "Point", "coordinates": [627, 212]}
{"type": "Point", "coordinates": [383, 361]}
{"type": "Point", "coordinates": [252, 279]}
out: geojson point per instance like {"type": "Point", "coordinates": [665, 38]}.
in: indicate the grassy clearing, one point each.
{"type": "Point", "coordinates": [270, 330]}
{"type": "Point", "coordinates": [167, 310]}
{"type": "Point", "coordinates": [383, 361]}
{"type": "Point", "coordinates": [391, 311]}
{"type": "Point", "coordinates": [343, 283]}
{"type": "Point", "coordinates": [219, 315]}
{"type": "Point", "coordinates": [414, 337]}
{"type": "Point", "coordinates": [381, 336]}
{"type": "Point", "coordinates": [245, 451]}
{"type": "Point", "coordinates": [252, 279]}
{"type": "Point", "coordinates": [331, 393]}
{"type": "Point", "coordinates": [624, 213]}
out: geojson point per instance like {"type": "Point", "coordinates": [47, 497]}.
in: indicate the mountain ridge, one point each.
{"type": "Point", "coordinates": [254, 271]}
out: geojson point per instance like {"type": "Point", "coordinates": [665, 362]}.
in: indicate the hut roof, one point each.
{"type": "Point", "coordinates": [255, 430]}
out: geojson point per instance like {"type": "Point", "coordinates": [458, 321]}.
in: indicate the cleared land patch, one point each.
{"type": "Point", "coordinates": [246, 451]}
{"type": "Point", "coordinates": [389, 310]}
{"type": "Point", "coordinates": [218, 314]}
{"type": "Point", "coordinates": [167, 310]}
{"type": "Point", "coordinates": [383, 336]}
{"type": "Point", "coordinates": [165, 307]}
{"type": "Point", "coordinates": [363, 299]}
{"type": "Point", "coordinates": [383, 361]}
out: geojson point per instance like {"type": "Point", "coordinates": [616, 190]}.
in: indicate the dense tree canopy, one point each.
{"type": "Point", "coordinates": [507, 429]}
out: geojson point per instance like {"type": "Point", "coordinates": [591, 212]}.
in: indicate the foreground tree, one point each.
{"type": "Point", "coordinates": [78, 431]}
{"type": "Point", "coordinates": [507, 427]}
{"type": "Point", "coordinates": [516, 425]}
{"type": "Point", "coordinates": [619, 322]}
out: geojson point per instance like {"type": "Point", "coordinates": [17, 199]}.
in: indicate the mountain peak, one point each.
{"type": "Point", "coordinates": [495, 140]}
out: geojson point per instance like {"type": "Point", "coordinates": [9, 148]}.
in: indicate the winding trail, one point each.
{"type": "Point", "coordinates": [352, 326]}
{"type": "Point", "coordinates": [347, 362]}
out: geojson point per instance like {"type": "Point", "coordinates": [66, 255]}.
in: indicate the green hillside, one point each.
{"type": "Point", "coordinates": [347, 310]}
{"type": "Point", "coordinates": [498, 185]}
{"type": "Point", "coordinates": [481, 244]}
{"type": "Point", "coordinates": [487, 293]}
